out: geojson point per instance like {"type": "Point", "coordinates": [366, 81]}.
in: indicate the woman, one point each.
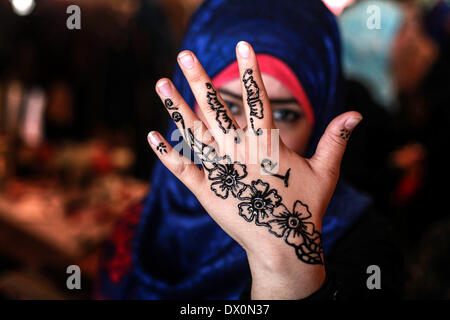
{"type": "Point", "coordinates": [390, 58]}
{"type": "Point", "coordinates": [266, 227]}
{"type": "Point", "coordinates": [385, 70]}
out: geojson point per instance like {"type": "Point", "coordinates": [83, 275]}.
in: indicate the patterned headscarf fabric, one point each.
{"type": "Point", "coordinates": [179, 251]}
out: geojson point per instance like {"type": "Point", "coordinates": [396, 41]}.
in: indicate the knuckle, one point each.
{"type": "Point", "coordinates": [179, 168]}
{"type": "Point", "coordinates": [328, 169]}
{"type": "Point", "coordinates": [197, 77]}
{"type": "Point", "coordinates": [333, 171]}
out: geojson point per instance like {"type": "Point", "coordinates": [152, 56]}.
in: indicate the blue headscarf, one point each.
{"type": "Point", "coordinates": [179, 251]}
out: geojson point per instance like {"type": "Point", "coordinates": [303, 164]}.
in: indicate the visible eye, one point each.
{"type": "Point", "coordinates": [234, 108]}
{"type": "Point", "coordinates": [286, 115]}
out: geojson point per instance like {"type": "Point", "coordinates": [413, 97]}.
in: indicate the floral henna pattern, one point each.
{"type": "Point", "coordinates": [258, 203]}
{"type": "Point", "coordinates": [297, 232]}
{"type": "Point", "coordinates": [227, 178]}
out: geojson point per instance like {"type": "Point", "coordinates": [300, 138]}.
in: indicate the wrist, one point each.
{"type": "Point", "coordinates": [284, 277]}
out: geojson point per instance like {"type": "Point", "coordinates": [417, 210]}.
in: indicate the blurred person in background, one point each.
{"type": "Point", "coordinates": [428, 121]}
{"type": "Point", "coordinates": [382, 64]}
{"type": "Point", "coordinates": [168, 247]}
{"type": "Point", "coordinates": [398, 78]}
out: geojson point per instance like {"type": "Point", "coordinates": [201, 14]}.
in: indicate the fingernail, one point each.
{"type": "Point", "coordinates": [187, 60]}
{"type": "Point", "coordinates": [243, 49]}
{"type": "Point", "coordinates": [165, 88]}
{"type": "Point", "coordinates": [351, 123]}
{"type": "Point", "coordinates": [154, 138]}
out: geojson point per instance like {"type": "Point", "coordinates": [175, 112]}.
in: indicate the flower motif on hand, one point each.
{"type": "Point", "coordinates": [259, 202]}
{"type": "Point", "coordinates": [297, 232]}
{"type": "Point", "coordinates": [226, 178]}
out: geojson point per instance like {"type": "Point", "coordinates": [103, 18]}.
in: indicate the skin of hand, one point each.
{"type": "Point", "coordinates": [273, 249]}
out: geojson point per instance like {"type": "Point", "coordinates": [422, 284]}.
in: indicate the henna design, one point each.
{"type": "Point", "coordinates": [297, 232]}
{"type": "Point", "coordinates": [311, 250]}
{"type": "Point", "coordinates": [345, 134]}
{"type": "Point", "coordinates": [161, 148]}
{"type": "Point", "coordinates": [207, 154]}
{"type": "Point", "coordinates": [285, 178]}
{"type": "Point", "coordinates": [168, 103]}
{"type": "Point", "coordinates": [223, 120]}
{"type": "Point", "coordinates": [259, 202]}
{"type": "Point", "coordinates": [226, 178]}
{"type": "Point", "coordinates": [176, 116]}
{"type": "Point", "coordinates": [255, 104]}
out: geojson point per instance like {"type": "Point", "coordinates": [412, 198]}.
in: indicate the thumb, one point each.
{"type": "Point", "coordinates": [331, 147]}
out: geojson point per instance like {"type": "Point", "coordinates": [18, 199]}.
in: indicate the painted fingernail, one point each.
{"type": "Point", "coordinates": [165, 88]}
{"type": "Point", "coordinates": [187, 60]}
{"type": "Point", "coordinates": [154, 138]}
{"type": "Point", "coordinates": [243, 49]}
{"type": "Point", "coordinates": [351, 123]}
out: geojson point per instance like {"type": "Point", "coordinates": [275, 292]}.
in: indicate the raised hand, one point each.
{"type": "Point", "coordinates": [272, 205]}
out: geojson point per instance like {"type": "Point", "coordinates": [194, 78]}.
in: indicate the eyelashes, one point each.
{"type": "Point", "coordinates": [287, 115]}
{"type": "Point", "coordinates": [234, 108]}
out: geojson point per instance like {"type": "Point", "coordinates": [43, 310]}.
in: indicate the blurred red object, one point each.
{"type": "Point", "coordinates": [102, 159]}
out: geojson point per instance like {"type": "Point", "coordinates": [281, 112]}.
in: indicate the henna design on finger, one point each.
{"type": "Point", "coordinates": [223, 120]}
{"type": "Point", "coordinates": [168, 103]}
{"type": "Point", "coordinates": [254, 102]}
{"type": "Point", "coordinates": [204, 152]}
{"type": "Point", "coordinates": [161, 148]}
{"type": "Point", "coordinates": [176, 116]}
{"type": "Point", "coordinates": [345, 134]}
{"type": "Point", "coordinates": [207, 154]}
{"type": "Point", "coordinates": [268, 162]}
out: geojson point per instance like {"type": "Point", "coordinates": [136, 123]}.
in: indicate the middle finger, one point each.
{"type": "Point", "coordinates": [217, 115]}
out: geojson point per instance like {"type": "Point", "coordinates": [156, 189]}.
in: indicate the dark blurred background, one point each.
{"type": "Point", "coordinates": [76, 107]}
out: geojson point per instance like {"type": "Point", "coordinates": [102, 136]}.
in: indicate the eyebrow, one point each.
{"type": "Point", "coordinates": [275, 101]}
